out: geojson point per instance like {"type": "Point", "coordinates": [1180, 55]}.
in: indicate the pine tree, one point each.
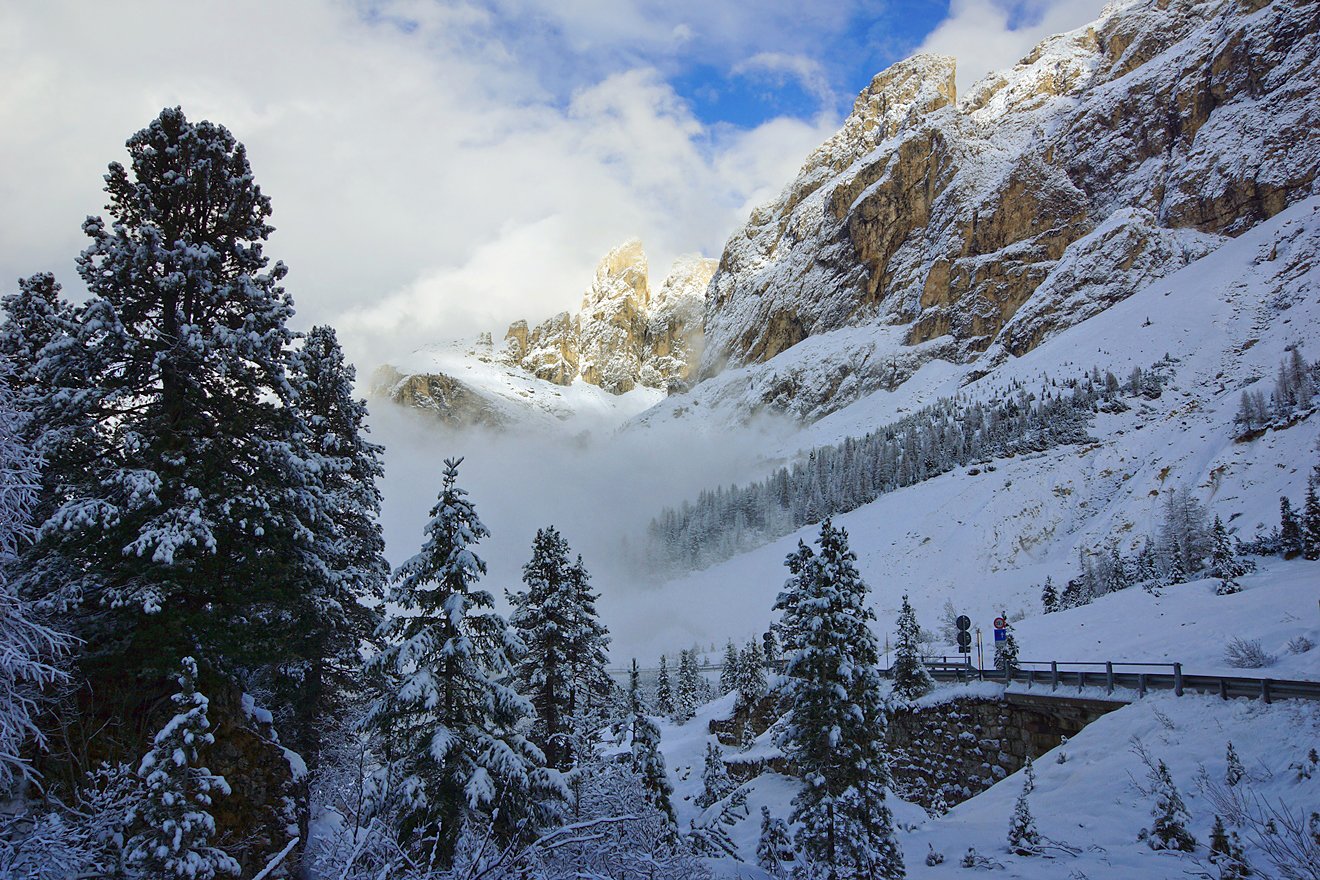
{"type": "Point", "coordinates": [1234, 772]}
{"type": "Point", "coordinates": [1171, 816]}
{"type": "Point", "coordinates": [29, 649]}
{"type": "Point", "coordinates": [836, 728]}
{"type": "Point", "coordinates": [750, 682]}
{"type": "Point", "coordinates": [1311, 518]}
{"type": "Point", "coordinates": [649, 765]}
{"type": "Point", "coordinates": [563, 668]}
{"type": "Point", "coordinates": [715, 779]}
{"type": "Point", "coordinates": [189, 510]}
{"type": "Point", "coordinates": [664, 696]}
{"type": "Point", "coordinates": [1184, 532]}
{"type": "Point", "coordinates": [774, 848]}
{"type": "Point", "coordinates": [1023, 838]}
{"type": "Point", "coordinates": [339, 613]}
{"type": "Point", "coordinates": [1290, 530]}
{"type": "Point", "coordinates": [688, 693]}
{"type": "Point", "coordinates": [178, 826]}
{"type": "Point", "coordinates": [1049, 597]}
{"type": "Point", "coordinates": [1224, 561]}
{"type": "Point", "coordinates": [450, 725]}
{"type": "Point", "coordinates": [1006, 653]}
{"type": "Point", "coordinates": [34, 317]}
{"type": "Point", "coordinates": [729, 669]}
{"type": "Point", "coordinates": [1226, 852]}
{"type": "Point", "coordinates": [770, 646]}
{"type": "Point", "coordinates": [911, 678]}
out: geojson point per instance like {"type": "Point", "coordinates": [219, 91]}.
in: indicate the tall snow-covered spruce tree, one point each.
{"type": "Point", "coordinates": [562, 670]}
{"type": "Point", "coordinates": [450, 721]}
{"type": "Point", "coordinates": [835, 731]}
{"type": "Point", "coordinates": [340, 609]}
{"type": "Point", "coordinates": [188, 509]}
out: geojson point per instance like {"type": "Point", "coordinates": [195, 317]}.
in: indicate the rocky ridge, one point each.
{"type": "Point", "coordinates": [974, 229]}
{"type": "Point", "coordinates": [625, 338]}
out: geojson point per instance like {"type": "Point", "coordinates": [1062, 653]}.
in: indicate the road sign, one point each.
{"type": "Point", "coordinates": [1000, 623]}
{"type": "Point", "coordinates": [964, 623]}
{"type": "Point", "coordinates": [964, 642]}
{"type": "Point", "coordinates": [1000, 634]}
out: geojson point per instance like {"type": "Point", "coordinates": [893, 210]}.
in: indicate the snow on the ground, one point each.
{"type": "Point", "coordinates": [1089, 801]}
{"type": "Point", "coordinates": [986, 541]}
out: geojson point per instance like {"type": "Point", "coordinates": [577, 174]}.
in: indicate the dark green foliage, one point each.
{"type": "Point", "coordinates": [449, 724]}
{"type": "Point", "coordinates": [911, 678]}
{"type": "Point", "coordinates": [185, 510]}
{"type": "Point", "coordinates": [1049, 597]}
{"type": "Point", "coordinates": [649, 765]}
{"type": "Point", "coordinates": [835, 732]}
{"type": "Point", "coordinates": [1290, 530]}
{"type": "Point", "coordinates": [563, 668]}
{"type": "Point", "coordinates": [1170, 828]}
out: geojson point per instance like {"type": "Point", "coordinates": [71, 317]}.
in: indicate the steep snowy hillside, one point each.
{"type": "Point", "coordinates": [986, 538]}
{"type": "Point", "coordinates": [1109, 157]}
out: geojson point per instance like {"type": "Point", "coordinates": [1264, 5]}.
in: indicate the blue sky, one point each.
{"type": "Point", "coordinates": [442, 167]}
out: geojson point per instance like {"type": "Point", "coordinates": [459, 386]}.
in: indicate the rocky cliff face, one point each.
{"type": "Point", "coordinates": [1108, 157]}
{"type": "Point", "coordinates": [624, 336]}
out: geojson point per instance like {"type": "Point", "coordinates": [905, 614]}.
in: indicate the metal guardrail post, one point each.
{"type": "Point", "coordinates": [1177, 680]}
{"type": "Point", "coordinates": [1109, 675]}
{"type": "Point", "coordinates": [1141, 684]}
{"type": "Point", "coordinates": [1265, 690]}
{"type": "Point", "coordinates": [1054, 675]}
{"type": "Point", "coordinates": [1223, 689]}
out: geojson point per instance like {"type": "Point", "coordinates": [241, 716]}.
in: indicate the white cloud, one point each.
{"type": "Point", "coordinates": [426, 183]}
{"type": "Point", "coordinates": [777, 65]}
{"type": "Point", "coordinates": [989, 35]}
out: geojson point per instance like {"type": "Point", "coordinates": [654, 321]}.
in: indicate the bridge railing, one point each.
{"type": "Point", "coordinates": [1139, 677]}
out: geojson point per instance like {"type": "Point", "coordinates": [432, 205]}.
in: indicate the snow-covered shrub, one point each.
{"type": "Point", "coordinates": [933, 856]}
{"type": "Point", "coordinates": [1300, 645]}
{"type": "Point", "coordinates": [1243, 654]}
{"type": "Point", "coordinates": [1169, 830]}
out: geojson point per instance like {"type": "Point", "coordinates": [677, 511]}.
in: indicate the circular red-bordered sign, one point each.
{"type": "Point", "coordinates": [999, 623]}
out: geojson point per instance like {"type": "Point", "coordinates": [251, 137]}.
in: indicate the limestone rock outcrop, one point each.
{"type": "Point", "coordinates": [1108, 157]}
{"type": "Point", "coordinates": [624, 335]}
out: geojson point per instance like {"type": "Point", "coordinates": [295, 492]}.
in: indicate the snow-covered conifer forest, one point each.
{"type": "Point", "coordinates": [991, 542]}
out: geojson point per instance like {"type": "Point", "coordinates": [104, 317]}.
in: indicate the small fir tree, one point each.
{"type": "Point", "coordinates": [562, 669]}
{"type": "Point", "coordinates": [176, 810]}
{"type": "Point", "coordinates": [1290, 530]}
{"type": "Point", "coordinates": [715, 779]}
{"type": "Point", "coordinates": [1224, 561]}
{"type": "Point", "coordinates": [750, 681]}
{"type": "Point", "coordinates": [1227, 854]}
{"type": "Point", "coordinates": [1049, 596]}
{"type": "Point", "coordinates": [664, 695]}
{"type": "Point", "coordinates": [770, 646]}
{"type": "Point", "coordinates": [634, 688]}
{"type": "Point", "coordinates": [649, 765]}
{"type": "Point", "coordinates": [1023, 838]}
{"type": "Point", "coordinates": [911, 677]}
{"type": "Point", "coordinates": [1006, 653]}
{"type": "Point", "coordinates": [1234, 772]}
{"type": "Point", "coordinates": [1311, 518]}
{"type": "Point", "coordinates": [729, 669]}
{"type": "Point", "coordinates": [687, 695]}
{"type": "Point", "coordinates": [774, 850]}
{"type": "Point", "coordinates": [1171, 817]}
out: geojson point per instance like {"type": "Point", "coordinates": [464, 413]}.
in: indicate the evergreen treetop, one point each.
{"type": "Point", "coordinates": [911, 677]}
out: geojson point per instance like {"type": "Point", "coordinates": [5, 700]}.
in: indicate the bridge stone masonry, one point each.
{"type": "Point", "coordinates": [958, 742]}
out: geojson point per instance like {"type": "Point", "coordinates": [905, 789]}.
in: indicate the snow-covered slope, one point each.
{"type": "Point", "coordinates": [986, 541]}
